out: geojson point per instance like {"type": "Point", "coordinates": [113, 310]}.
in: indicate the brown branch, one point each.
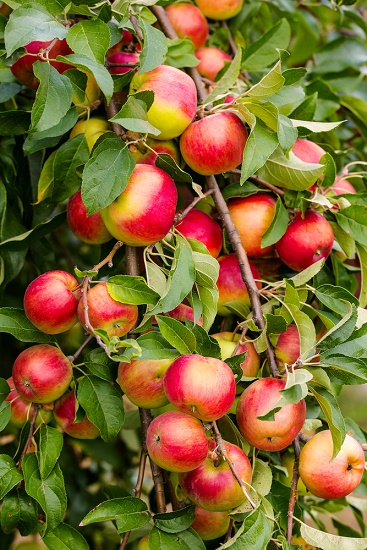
{"type": "Point", "coordinates": [293, 497]}
{"type": "Point", "coordinates": [36, 407]}
{"type": "Point", "coordinates": [229, 532]}
{"type": "Point", "coordinates": [257, 179]}
{"type": "Point", "coordinates": [180, 215]}
{"type": "Point", "coordinates": [176, 504]}
{"type": "Point", "coordinates": [303, 437]}
{"type": "Point", "coordinates": [132, 265]}
{"type": "Point", "coordinates": [137, 29]}
{"type": "Point", "coordinates": [230, 38]}
{"type": "Point", "coordinates": [146, 418]}
{"type": "Point", "coordinates": [112, 109]}
{"type": "Point", "coordinates": [80, 349]}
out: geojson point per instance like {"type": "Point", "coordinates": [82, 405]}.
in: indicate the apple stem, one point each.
{"type": "Point", "coordinates": [180, 215]}
{"type": "Point", "coordinates": [229, 532]}
{"type": "Point", "coordinates": [80, 349]}
{"type": "Point", "coordinates": [36, 408]}
{"type": "Point", "coordinates": [293, 497]}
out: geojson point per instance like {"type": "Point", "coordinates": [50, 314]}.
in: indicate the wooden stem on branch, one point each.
{"type": "Point", "coordinates": [293, 497]}
{"type": "Point", "coordinates": [36, 407]}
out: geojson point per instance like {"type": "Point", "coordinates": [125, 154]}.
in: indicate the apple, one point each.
{"type": "Point", "coordinates": [126, 40]}
{"type": "Point", "coordinates": [92, 127]}
{"type": "Point", "coordinates": [342, 186]}
{"type": "Point", "coordinates": [89, 229]}
{"type": "Point", "coordinates": [307, 240]}
{"type": "Point", "coordinates": [214, 144]}
{"type": "Point", "coordinates": [143, 155]}
{"type": "Point", "coordinates": [288, 463]}
{"type": "Point", "coordinates": [299, 541]}
{"type": "Point", "coordinates": [175, 101]}
{"type": "Point", "coordinates": [144, 213]}
{"type": "Point", "coordinates": [92, 93]}
{"type": "Point", "coordinates": [327, 478]}
{"type": "Point", "coordinates": [121, 58]}
{"type": "Point", "coordinates": [201, 386]}
{"type": "Point", "coordinates": [51, 301]}
{"type": "Point", "coordinates": [219, 9]}
{"type": "Point", "coordinates": [287, 349]}
{"type": "Point", "coordinates": [268, 435]}
{"type": "Point", "coordinates": [104, 313]}
{"type": "Point", "coordinates": [211, 61]}
{"type": "Point", "coordinates": [143, 543]}
{"type": "Point", "coordinates": [200, 226]}
{"type": "Point", "coordinates": [42, 373]}
{"type": "Point", "coordinates": [212, 484]}
{"type": "Point", "coordinates": [65, 411]}
{"type": "Point", "coordinates": [21, 410]}
{"type": "Point", "coordinates": [142, 381]}
{"type": "Point", "coordinates": [227, 343]}
{"type": "Point", "coordinates": [308, 151]}
{"type": "Point", "coordinates": [230, 284]}
{"type": "Point", "coordinates": [252, 217]}
{"type": "Point", "coordinates": [30, 545]}
{"type": "Point", "coordinates": [188, 20]}
{"type": "Point", "coordinates": [210, 525]}
{"type": "Point", "coordinates": [182, 312]}
{"type": "Point", "coordinates": [177, 441]}
{"type": "Point", "coordinates": [22, 69]}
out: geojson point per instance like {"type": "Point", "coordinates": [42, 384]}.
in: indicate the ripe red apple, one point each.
{"type": "Point", "coordinates": [42, 373]}
{"type": "Point", "coordinates": [326, 478]}
{"type": "Point", "coordinates": [107, 314]}
{"type": "Point", "coordinates": [342, 186]}
{"type": "Point", "coordinates": [268, 435]}
{"type": "Point", "coordinates": [143, 155]}
{"type": "Point", "coordinates": [214, 144]}
{"type": "Point", "coordinates": [306, 240]}
{"type": "Point", "coordinates": [126, 40]}
{"type": "Point", "coordinates": [219, 9]}
{"type": "Point", "coordinates": [210, 525]}
{"type": "Point", "coordinates": [175, 101]}
{"type": "Point", "coordinates": [252, 217]}
{"type": "Point", "coordinates": [212, 485]}
{"type": "Point", "coordinates": [65, 411]}
{"type": "Point", "coordinates": [308, 151]}
{"type": "Point", "coordinates": [187, 20]}
{"type": "Point", "coordinates": [211, 61]}
{"type": "Point", "coordinates": [230, 284]}
{"type": "Point", "coordinates": [51, 301]}
{"type": "Point", "coordinates": [22, 69]}
{"type": "Point", "coordinates": [89, 229]}
{"type": "Point", "coordinates": [200, 226]}
{"type": "Point", "coordinates": [121, 58]}
{"type": "Point", "coordinates": [288, 348]}
{"type": "Point", "coordinates": [143, 214]}
{"type": "Point", "coordinates": [177, 442]}
{"type": "Point", "coordinates": [21, 410]}
{"type": "Point", "coordinates": [201, 386]}
{"type": "Point", "coordinates": [182, 312]}
{"type": "Point", "coordinates": [228, 343]}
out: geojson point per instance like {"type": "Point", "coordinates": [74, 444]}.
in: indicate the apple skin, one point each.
{"type": "Point", "coordinates": [142, 214]}
{"type": "Point", "coordinates": [288, 348]}
{"type": "Point", "coordinates": [200, 226]}
{"type": "Point", "coordinates": [143, 543]}
{"type": "Point", "coordinates": [92, 93]}
{"type": "Point", "coordinates": [210, 525]}
{"type": "Point", "coordinates": [126, 40]}
{"type": "Point", "coordinates": [177, 442]}
{"type": "Point", "coordinates": [22, 69]}
{"type": "Point", "coordinates": [146, 156]}
{"type": "Point", "coordinates": [142, 381]}
{"type": "Point", "coordinates": [252, 217]}
{"type": "Point", "coordinates": [182, 312]}
{"type": "Point", "coordinates": [188, 20]}
{"type": "Point", "coordinates": [30, 545]}
{"type": "Point", "coordinates": [214, 144]}
{"type": "Point", "coordinates": [115, 318]}
{"type": "Point", "coordinates": [175, 101]}
{"type": "Point", "coordinates": [122, 58]}
{"type": "Point", "coordinates": [334, 479]}
{"type": "Point", "coordinates": [93, 128]}
{"type": "Point", "coordinates": [342, 186]}
{"type": "Point", "coordinates": [308, 151]}
{"type": "Point", "coordinates": [200, 386]}
{"type": "Point", "coordinates": [211, 61]}
{"type": "Point", "coordinates": [65, 411]}
{"type": "Point", "coordinates": [288, 463]}
{"type": "Point", "coordinates": [42, 373]}
{"type": "Point", "coordinates": [230, 284]}
{"type": "Point", "coordinates": [51, 301]}
{"type": "Point", "coordinates": [89, 229]}
{"type": "Point", "coordinates": [212, 485]}
{"type": "Point", "coordinates": [21, 410]}
{"type": "Point", "coordinates": [251, 365]}
{"type": "Point", "coordinates": [306, 240]}
{"type": "Point", "coordinates": [268, 435]}
{"type": "Point", "coordinates": [220, 9]}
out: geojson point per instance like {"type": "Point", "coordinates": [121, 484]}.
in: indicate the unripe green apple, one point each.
{"type": "Point", "coordinates": [92, 127]}
{"type": "Point", "coordinates": [92, 93]}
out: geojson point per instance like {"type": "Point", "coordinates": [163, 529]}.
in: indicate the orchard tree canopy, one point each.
{"type": "Point", "coordinates": [183, 274]}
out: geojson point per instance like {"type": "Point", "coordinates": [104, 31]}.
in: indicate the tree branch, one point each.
{"type": "Point", "coordinates": [180, 215]}
{"type": "Point", "coordinates": [80, 349]}
{"type": "Point", "coordinates": [36, 407]}
{"type": "Point", "coordinates": [293, 497]}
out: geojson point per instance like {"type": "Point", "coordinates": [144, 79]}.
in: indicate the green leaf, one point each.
{"type": "Point", "coordinates": [9, 475]}
{"type": "Point", "coordinates": [207, 269]}
{"type": "Point", "coordinates": [166, 163]}
{"type": "Point", "coordinates": [50, 442]}
{"type": "Point", "coordinates": [103, 405]}
{"type": "Point", "coordinates": [327, 541]}
{"type": "Point", "coordinates": [70, 156]}
{"type": "Point", "coordinates": [19, 511]}
{"type": "Point", "coordinates": [36, 141]}
{"type": "Point", "coordinates": [46, 179]}
{"type": "Point", "coordinates": [278, 225]}
{"type": "Point", "coordinates": [206, 345]}
{"type": "Point", "coordinates": [4, 414]}
{"type": "Point", "coordinates": [238, 190]}
{"type": "Point", "coordinates": [154, 48]}
{"type": "Point", "coordinates": [177, 334]}
{"type": "Point", "coordinates": [287, 133]}
{"type": "Point", "coordinates": [306, 331]}
{"type": "Point", "coordinates": [209, 298]}
{"type": "Point", "coordinates": [334, 417]}
{"type": "Point", "coordinates": [235, 364]}
{"type": "Point", "coordinates": [129, 513]}
{"type": "Point", "coordinates": [335, 298]}
{"type": "Point", "coordinates": [131, 290]}
{"type": "Point", "coordinates": [264, 51]}
{"type": "Point", "coordinates": [353, 220]}
{"type": "Point", "coordinates": [133, 115]}
{"type": "Point", "coordinates": [259, 146]}
{"type": "Point", "coordinates": [262, 477]}
{"type": "Point", "coordinates": [316, 127]}
{"type": "Point", "coordinates": [14, 123]}
{"type": "Point", "coordinates": [65, 537]}
{"type": "Point", "coordinates": [90, 38]}
{"type": "Point", "coordinates": [99, 364]}
{"type": "Point", "coordinates": [185, 540]}
{"type": "Point", "coordinates": [228, 79]}
{"type": "Point", "coordinates": [362, 255]}
{"type": "Point", "coordinates": [4, 389]}
{"type": "Point", "coordinates": [15, 322]}
{"type": "Point", "coordinates": [181, 53]}
{"type": "Point", "coordinates": [154, 346]}
{"type": "Point", "coordinates": [255, 534]}
{"type": "Point", "coordinates": [175, 522]}
{"type": "Point", "coordinates": [345, 370]}
{"type": "Point", "coordinates": [340, 332]}
{"type": "Point", "coordinates": [269, 85]}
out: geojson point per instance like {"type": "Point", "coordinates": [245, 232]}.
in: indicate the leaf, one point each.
{"type": "Point", "coordinates": [207, 268]}
{"type": "Point", "coordinates": [259, 146]}
{"type": "Point", "coordinates": [278, 225]}
{"type": "Point", "coordinates": [9, 474]}
{"type": "Point", "coordinates": [287, 133]}
{"type": "Point", "coordinates": [335, 298]}
{"type": "Point", "coordinates": [235, 364]}
{"type": "Point", "coordinates": [14, 123]}
{"type": "Point", "coordinates": [237, 190]}
{"type": "Point", "coordinates": [269, 85]}
{"type": "Point", "coordinates": [181, 53]}
{"type": "Point", "coordinates": [175, 522]}
{"type": "Point", "coordinates": [264, 51]}
{"type": "Point", "coordinates": [340, 332]}
{"type": "Point", "coordinates": [206, 345]}
{"type": "Point", "coordinates": [262, 477]}
{"type": "Point", "coordinates": [334, 418]}
{"type": "Point", "coordinates": [209, 299]}
{"type": "Point", "coordinates": [4, 414]}
{"type": "Point", "coordinates": [154, 346]}
{"type": "Point", "coordinates": [316, 127]}
{"type": "Point", "coordinates": [306, 331]}
{"type": "Point", "coordinates": [25, 240]}
{"type": "Point", "coordinates": [353, 220]}
{"type": "Point", "coordinates": [70, 156]}
{"type": "Point", "coordinates": [166, 163]}
{"type": "Point", "coordinates": [4, 389]}
{"type": "Point", "coordinates": [128, 512]}
{"type": "Point", "coordinates": [154, 48]}
{"type": "Point", "coordinates": [19, 511]}
{"type": "Point", "coordinates": [133, 116]}
{"type": "Point", "coordinates": [46, 180]}
{"type": "Point", "coordinates": [99, 364]}
{"type": "Point", "coordinates": [327, 541]}
{"type": "Point", "coordinates": [65, 537]}
{"type": "Point", "coordinates": [345, 370]}
{"type": "Point", "coordinates": [15, 322]}
{"type": "Point", "coordinates": [255, 535]}
{"type": "Point", "coordinates": [90, 38]}
{"type": "Point", "coordinates": [185, 540]}
{"type": "Point", "coordinates": [50, 444]}
{"type": "Point", "coordinates": [228, 79]}
{"type": "Point", "coordinates": [304, 276]}
{"type": "Point", "coordinates": [177, 334]}
{"type": "Point", "coordinates": [131, 290]}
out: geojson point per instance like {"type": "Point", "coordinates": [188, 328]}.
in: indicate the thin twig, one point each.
{"type": "Point", "coordinates": [137, 29]}
{"type": "Point", "coordinates": [229, 532]}
{"type": "Point", "coordinates": [146, 418]}
{"type": "Point", "coordinates": [180, 215]}
{"type": "Point", "coordinates": [304, 438]}
{"type": "Point", "coordinates": [293, 497]}
{"type": "Point", "coordinates": [230, 38]}
{"type": "Point", "coordinates": [80, 349]}
{"type": "Point", "coordinates": [257, 179]}
{"type": "Point", "coordinates": [35, 411]}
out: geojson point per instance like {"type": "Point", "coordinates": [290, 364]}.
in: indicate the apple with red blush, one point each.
{"type": "Point", "coordinates": [211, 61]}
{"type": "Point", "coordinates": [308, 151]}
{"type": "Point", "coordinates": [200, 226]}
{"type": "Point", "coordinates": [65, 412]}
{"type": "Point", "coordinates": [228, 343]}
{"type": "Point", "coordinates": [288, 346]}
{"type": "Point", "coordinates": [22, 410]}
{"type": "Point", "coordinates": [219, 10]}
{"type": "Point", "coordinates": [89, 229]}
{"type": "Point", "coordinates": [117, 60]}
{"type": "Point", "coordinates": [144, 154]}
{"type": "Point", "coordinates": [188, 21]}
{"type": "Point", "coordinates": [210, 525]}
{"type": "Point", "coordinates": [342, 186]}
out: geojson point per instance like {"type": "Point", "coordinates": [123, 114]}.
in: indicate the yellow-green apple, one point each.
{"type": "Point", "coordinates": [252, 217]}
{"type": "Point", "coordinates": [42, 373]}
{"type": "Point", "coordinates": [300, 542]}
{"type": "Point", "coordinates": [65, 412]}
{"type": "Point", "coordinates": [51, 301]}
{"type": "Point", "coordinates": [200, 226]}
{"type": "Point", "coordinates": [288, 463]}
{"type": "Point", "coordinates": [144, 155]}
{"type": "Point", "coordinates": [227, 343]}
{"type": "Point", "coordinates": [142, 381]}
{"type": "Point", "coordinates": [257, 400]}
{"type": "Point", "coordinates": [92, 127]}
{"type": "Point", "coordinates": [177, 441]}
{"type": "Point", "coordinates": [307, 240]}
{"type": "Point", "coordinates": [22, 69]}
{"type": "Point", "coordinates": [230, 284]}
{"type": "Point", "coordinates": [175, 101]}
{"type": "Point", "coordinates": [201, 386]}
{"type": "Point", "coordinates": [21, 410]}
{"type": "Point", "coordinates": [210, 525]}
{"type": "Point", "coordinates": [211, 61]}
{"type": "Point", "coordinates": [106, 313]}
{"type": "Point", "coordinates": [116, 60]}
{"type": "Point", "coordinates": [212, 484]}
{"type": "Point", "coordinates": [30, 545]}
{"type": "Point", "coordinates": [327, 478]}
{"type": "Point", "coordinates": [143, 213]}
{"type": "Point", "coordinates": [214, 144]}
{"type": "Point", "coordinates": [220, 9]}
{"type": "Point", "coordinates": [188, 20]}
{"type": "Point", "coordinates": [308, 151]}
{"type": "Point", "coordinates": [143, 543]}
{"type": "Point", "coordinates": [342, 186]}
{"type": "Point", "coordinates": [89, 229]}
{"type": "Point", "coordinates": [126, 40]}
{"type": "Point", "coordinates": [91, 94]}
{"type": "Point", "coordinates": [288, 347]}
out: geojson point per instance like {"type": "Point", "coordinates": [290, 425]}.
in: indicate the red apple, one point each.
{"type": "Point", "coordinates": [220, 9]}
{"type": "Point", "coordinates": [51, 301]}
{"type": "Point", "coordinates": [187, 20]}
{"type": "Point", "coordinates": [342, 186]}
{"type": "Point", "coordinates": [306, 240]}
{"type": "Point", "coordinates": [210, 525]}
{"type": "Point", "coordinates": [252, 217]}
{"type": "Point", "coordinates": [202, 386]}
{"type": "Point", "coordinates": [143, 155]}
{"type": "Point", "coordinates": [177, 442]}
{"type": "Point", "coordinates": [42, 373]}
{"type": "Point", "coordinates": [212, 485]}
{"type": "Point", "coordinates": [230, 284]}
{"type": "Point", "coordinates": [268, 435]}
{"type": "Point", "coordinates": [89, 229]}
{"type": "Point", "coordinates": [126, 40]}
{"type": "Point", "coordinates": [228, 343]}
{"type": "Point", "coordinates": [65, 411]}
{"type": "Point", "coordinates": [143, 214]}
{"type": "Point", "coordinates": [200, 226]}
{"type": "Point", "coordinates": [211, 61]}
{"type": "Point", "coordinates": [308, 151]}
{"type": "Point", "coordinates": [121, 58]}
{"type": "Point", "coordinates": [182, 312]}
{"type": "Point", "coordinates": [214, 144]}
{"type": "Point", "coordinates": [104, 313]}
{"type": "Point", "coordinates": [287, 349]}
{"type": "Point", "coordinates": [21, 410]}
{"type": "Point", "coordinates": [326, 478]}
